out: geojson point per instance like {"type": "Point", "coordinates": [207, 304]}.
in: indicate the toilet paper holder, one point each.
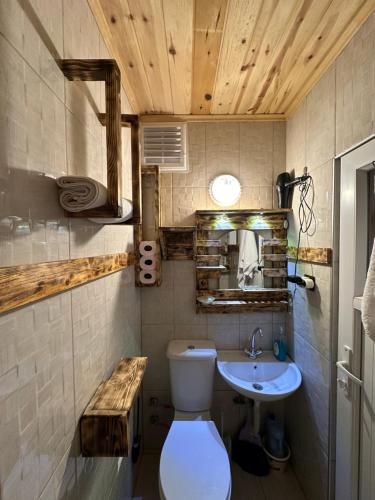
{"type": "Point", "coordinates": [305, 281]}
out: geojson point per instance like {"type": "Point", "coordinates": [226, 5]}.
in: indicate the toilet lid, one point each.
{"type": "Point", "coordinates": [194, 463]}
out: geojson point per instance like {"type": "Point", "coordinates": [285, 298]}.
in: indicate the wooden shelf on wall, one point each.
{"type": "Point", "coordinates": [275, 273]}
{"type": "Point", "coordinates": [236, 300]}
{"type": "Point", "coordinates": [149, 171]}
{"type": "Point", "coordinates": [131, 121]}
{"type": "Point", "coordinates": [254, 219]}
{"type": "Point", "coordinates": [237, 306]}
{"type": "Point", "coordinates": [255, 294]}
{"type": "Point", "coordinates": [25, 284]}
{"type": "Point", "coordinates": [274, 221]}
{"type": "Point", "coordinates": [177, 243]}
{"type": "Point", "coordinates": [104, 425]}
{"type": "Point", "coordinates": [209, 272]}
{"type": "Point", "coordinates": [106, 70]}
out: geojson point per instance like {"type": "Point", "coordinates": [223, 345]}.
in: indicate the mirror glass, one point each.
{"type": "Point", "coordinates": [241, 253]}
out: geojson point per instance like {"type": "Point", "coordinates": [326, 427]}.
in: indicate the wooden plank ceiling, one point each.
{"type": "Point", "coordinates": [219, 57]}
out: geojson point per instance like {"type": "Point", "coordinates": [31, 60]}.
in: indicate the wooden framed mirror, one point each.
{"type": "Point", "coordinates": [241, 260]}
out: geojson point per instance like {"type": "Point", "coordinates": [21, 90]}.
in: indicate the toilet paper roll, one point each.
{"type": "Point", "coordinates": [309, 283]}
{"type": "Point", "coordinates": [147, 277]}
{"type": "Point", "coordinates": [147, 247]}
{"type": "Point", "coordinates": [148, 262]}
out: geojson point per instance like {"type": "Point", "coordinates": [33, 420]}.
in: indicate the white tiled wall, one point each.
{"type": "Point", "coordinates": [253, 152]}
{"type": "Point", "coordinates": [54, 354]}
{"type": "Point", "coordinates": [169, 313]}
{"type": "Point", "coordinates": [311, 142]}
{"type": "Point", "coordinates": [337, 113]}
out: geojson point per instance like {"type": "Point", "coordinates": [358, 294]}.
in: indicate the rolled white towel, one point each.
{"type": "Point", "coordinates": [126, 214]}
{"type": "Point", "coordinates": [81, 193]}
{"type": "Point", "coordinates": [368, 301]}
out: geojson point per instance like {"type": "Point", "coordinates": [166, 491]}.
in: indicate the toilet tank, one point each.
{"type": "Point", "coordinates": [191, 371]}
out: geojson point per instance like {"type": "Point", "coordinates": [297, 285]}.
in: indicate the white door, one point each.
{"type": "Point", "coordinates": [353, 475]}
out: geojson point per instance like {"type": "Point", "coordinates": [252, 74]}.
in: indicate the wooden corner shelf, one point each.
{"type": "Point", "coordinates": [106, 70]}
{"type": "Point", "coordinates": [104, 423]}
{"type": "Point", "coordinates": [177, 243]}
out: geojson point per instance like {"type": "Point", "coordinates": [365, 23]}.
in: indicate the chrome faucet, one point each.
{"type": "Point", "coordinates": [250, 349]}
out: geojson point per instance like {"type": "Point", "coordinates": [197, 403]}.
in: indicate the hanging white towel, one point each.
{"type": "Point", "coordinates": [81, 193]}
{"type": "Point", "coordinates": [258, 277]}
{"type": "Point", "coordinates": [368, 301]}
{"type": "Point", "coordinates": [248, 258]}
{"type": "Point", "coordinates": [260, 250]}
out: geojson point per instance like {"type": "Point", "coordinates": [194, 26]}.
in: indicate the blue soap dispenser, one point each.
{"type": "Point", "coordinates": [279, 345]}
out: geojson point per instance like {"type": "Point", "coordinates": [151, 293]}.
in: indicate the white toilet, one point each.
{"type": "Point", "coordinates": [194, 463]}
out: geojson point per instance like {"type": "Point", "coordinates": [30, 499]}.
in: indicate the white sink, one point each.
{"type": "Point", "coordinates": [262, 379]}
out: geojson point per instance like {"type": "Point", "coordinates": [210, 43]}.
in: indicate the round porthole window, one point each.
{"type": "Point", "coordinates": [225, 190]}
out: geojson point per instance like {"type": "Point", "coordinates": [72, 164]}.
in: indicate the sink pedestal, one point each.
{"type": "Point", "coordinates": [256, 416]}
{"type": "Point", "coordinates": [251, 429]}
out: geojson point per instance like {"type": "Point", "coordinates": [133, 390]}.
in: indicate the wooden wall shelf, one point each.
{"type": "Point", "coordinates": [313, 255]}
{"type": "Point", "coordinates": [149, 170]}
{"type": "Point", "coordinates": [209, 251]}
{"type": "Point", "coordinates": [104, 424]}
{"type": "Point", "coordinates": [238, 306]}
{"type": "Point", "coordinates": [211, 220]}
{"type": "Point", "coordinates": [238, 301]}
{"type": "Point", "coordinates": [132, 122]}
{"type": "Point", "coordinates": [235, 294]}
{"type": "Point", "coordinates": [106, 70]}
{"type": "Point", "coordinates": [22, 285]}
{"type": "Point", "coordinates": [177, 243]}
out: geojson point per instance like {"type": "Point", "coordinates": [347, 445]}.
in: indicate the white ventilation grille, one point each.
{"type": "Point", "coordinates": [164, 144]}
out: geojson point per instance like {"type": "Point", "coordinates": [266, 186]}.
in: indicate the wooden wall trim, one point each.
{"type": "Point", "coordinates": [313, 255]}
{"type": "Point", "coordinates": [25, 284]}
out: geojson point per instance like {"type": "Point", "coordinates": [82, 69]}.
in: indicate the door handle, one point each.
{"type": "Point", "coordinates": [342, 365]}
